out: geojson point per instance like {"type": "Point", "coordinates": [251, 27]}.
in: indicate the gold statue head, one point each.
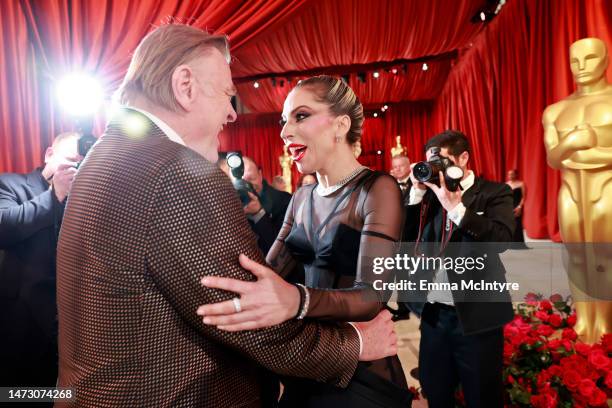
{"type": "Point", "coordinates": [588, 60]}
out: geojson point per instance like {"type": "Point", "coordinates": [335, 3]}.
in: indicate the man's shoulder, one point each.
{"type": "Point", "coordinates": [13, 179]}
{"type": "Point", "coordinates": [492, 187]}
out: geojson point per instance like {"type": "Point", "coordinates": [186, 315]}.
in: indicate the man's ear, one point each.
{"type": "Point", "coordinates": [183, 86]}
{"type": "Point", "coordinates": [48, 154]}
{"type": "Point", "coordinates": [464, 158]}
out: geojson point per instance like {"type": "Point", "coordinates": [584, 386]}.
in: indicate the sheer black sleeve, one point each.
{"type": "Point", "coordinates": [279, 258]}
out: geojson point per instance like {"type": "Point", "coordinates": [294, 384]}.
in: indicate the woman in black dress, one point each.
{"type": "Point", "coordinates": [333, 228]}
{"type": "Point", "coordinates": [518, 193]}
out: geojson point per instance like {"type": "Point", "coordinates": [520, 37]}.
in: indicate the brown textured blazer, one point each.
{"type": "Point", "coordinates": [147, 218]}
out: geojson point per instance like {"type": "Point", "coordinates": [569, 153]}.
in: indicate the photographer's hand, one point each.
{"type": "Point", "coordinates": [62, 180]}
{"type": "Point", "coordinates": [254, 206]}
{"type": "Point", "coordinates": [448, 199]}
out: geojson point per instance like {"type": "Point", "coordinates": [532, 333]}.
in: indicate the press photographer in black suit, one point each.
{"type": "Point", "coordinates": [31, 209]}
{"type": "Point", "coordinates": [461, 331]}
{"type": "Point", "coordinates": [266, 211]}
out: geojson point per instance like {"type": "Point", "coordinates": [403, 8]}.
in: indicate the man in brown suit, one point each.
{"type": "Point", "coordinates": [149, 215]}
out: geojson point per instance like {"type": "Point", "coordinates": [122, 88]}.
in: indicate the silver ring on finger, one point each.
{"type": "Point", "coordinates": [237, 305]}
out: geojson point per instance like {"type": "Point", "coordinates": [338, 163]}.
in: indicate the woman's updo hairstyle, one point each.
{"type": "Point", "coordinates": [341, 101]}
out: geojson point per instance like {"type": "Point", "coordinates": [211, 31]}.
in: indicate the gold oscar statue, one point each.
{"type": "Point", "coordinates": [285, 163]}
{"type": "Point", "coordinates": [398, 149]}
{"type": "Point", "coordinates": [578, 139]}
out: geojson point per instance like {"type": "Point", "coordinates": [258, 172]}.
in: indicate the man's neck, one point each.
{"type": "Point", "coordinates": [170, 118]}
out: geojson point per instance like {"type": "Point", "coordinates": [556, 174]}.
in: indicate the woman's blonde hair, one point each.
{"type": "Point", "coordinates": [341, 101]}
{"type": "Point", "coordinates": [158, 55]}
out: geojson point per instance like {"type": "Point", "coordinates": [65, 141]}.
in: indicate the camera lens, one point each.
{"type": "Point", "coordinates": [422, 171]}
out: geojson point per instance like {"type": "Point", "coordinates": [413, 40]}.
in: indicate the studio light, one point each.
{"type": "Point", "coordinates": [80, 95]}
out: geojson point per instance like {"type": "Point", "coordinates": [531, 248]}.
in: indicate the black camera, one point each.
{"type": "Point", "coordinates": [243, 187]}
{"type": "Point", "coordinates": [428, 171]}
{"type": "Point", "coordinates": [87, 139]}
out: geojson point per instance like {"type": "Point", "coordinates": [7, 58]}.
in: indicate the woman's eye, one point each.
{"type": "Point", "coordinates": [282, 122]}
{"type": "Point", "coordinates": [301, 116]}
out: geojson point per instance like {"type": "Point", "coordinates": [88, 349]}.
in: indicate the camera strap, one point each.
{"type": "Point", "coordinates": [447, 228]}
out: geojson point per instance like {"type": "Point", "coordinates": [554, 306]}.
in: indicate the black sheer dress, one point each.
{"type": "Point", "coordinates": [335, 238]}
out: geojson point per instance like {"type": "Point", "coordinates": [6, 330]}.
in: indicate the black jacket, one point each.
{"type": "Point", "coordinates": [30, 216]}
{"type": "Point", "coordinates": [275, 203]}
{"type": "Point", "coordinates": [488, 219]}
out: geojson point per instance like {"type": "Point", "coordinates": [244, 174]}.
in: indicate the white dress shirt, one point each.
{"type": "Point", "coordinates": [171, 133]}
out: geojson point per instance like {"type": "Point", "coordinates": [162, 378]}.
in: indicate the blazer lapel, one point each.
{"type": "Point", "coordinates": [470, 195]}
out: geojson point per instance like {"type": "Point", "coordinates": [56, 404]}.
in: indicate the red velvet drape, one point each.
{"type": "Point", "coordinates": [344, 32]}
{"type": "Point", "coordinates": [20, 142]}
{"type": "Point", "coordinates": [45, 39]}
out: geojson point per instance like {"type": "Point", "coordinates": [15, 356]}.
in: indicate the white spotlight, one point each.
{"type": "Point", "coordinates": [256, 84]}
{"type": "Point", "coordinates": [425, 67]}
{"type": "Point", "coordinates": [386, 107]}
{"type": "Point", "coordinates": [375, 115]}
{"type": "Point", "coordinates": [394, 70]}
{"type": "Point", "coordinates": [79, 94]}
{"type": "Point", "coordinates": [378, 152]}
{"type": "Point", "coordinates": [483, 16]}
{"type": "Point", "coordinates": [375, 74]}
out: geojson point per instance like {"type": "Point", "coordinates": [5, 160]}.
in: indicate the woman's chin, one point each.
{"type": "Point", "coordinates": [303, 169]}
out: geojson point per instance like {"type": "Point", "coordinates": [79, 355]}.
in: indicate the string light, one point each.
{"type": "Point", "coordinates": [425, 67]}
{"type": "Point", "coordinates": [375, 115]}
{"type": "Point", "coordinates": [256, 84]}
{"type": "Point", "coordinates": [375, 74]}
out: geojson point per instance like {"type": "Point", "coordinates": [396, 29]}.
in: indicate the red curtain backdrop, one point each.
{"type": "Point", "coordinates": [43, 40]}
{"type": "Point", "coordinates": [20, 141]}
{"type": "Point", "coordinates": [343, 32]}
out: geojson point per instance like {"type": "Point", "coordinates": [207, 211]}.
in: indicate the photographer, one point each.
{"type": "Point", "coordinates": [31, 209]}
{"type": "Point", "coordinates": [266, 211]}
{"type": "Point", "coordinates": [461, 337]}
